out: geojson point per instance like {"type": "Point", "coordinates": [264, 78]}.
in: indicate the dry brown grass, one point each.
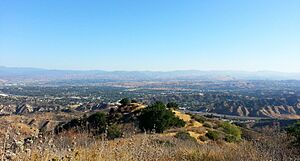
{"type": "Point", "coordinates": [74, 146]}
{"type": "Point", "coordinates": [138, 147]}
{"type": "Point", "coordinates": [20, 123]}
{"type": "Point", "coordinates": [193, 127]}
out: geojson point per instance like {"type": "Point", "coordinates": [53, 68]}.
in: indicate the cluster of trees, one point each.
{"type": "Point", "coordinates": [157, 117]}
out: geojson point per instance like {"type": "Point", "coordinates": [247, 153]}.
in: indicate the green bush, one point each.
{"type": "Point", "coordinates": [125, 102]}
{"type": "Point", "coordinates": [184, 135]}
{"type": "Point", "coordinates": [113, 132]}
{"type": "Point", "coordinates": [231, 138]}
{"type": "Point", "coordinates": [177, 122]}
{"type": "Point", "coordinates": [172, 105]}
{"type": "Point", "coordinates": [231, 129]}
{"type": "Point", "coordinates": [213, 135]}
{"type": "Point", "coordinates": [294, 130]}
{"type": "Point", "coordinates": [72, 124]}
{"type": "Point", "coordinates": [157, 117]}
{"type": "Point", "coordinates": [97, 121]}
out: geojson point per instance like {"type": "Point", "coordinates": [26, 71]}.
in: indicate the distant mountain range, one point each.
{"type": "Point", "coordinates": [16, 74]}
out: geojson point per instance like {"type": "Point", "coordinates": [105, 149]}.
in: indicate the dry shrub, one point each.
{"type": "Point", "coordinates": [138, 147]}
{"type": "Point", "coordinates": [71, 145]}
{"type": "Point", "coordinates": [276, 144]}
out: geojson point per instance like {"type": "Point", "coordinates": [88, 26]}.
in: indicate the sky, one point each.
{"type": "Point", "coordinates": [159, 35]}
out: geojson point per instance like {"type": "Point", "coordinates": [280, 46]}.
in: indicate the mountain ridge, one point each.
{"type": "Point", "coordinates": [19, 74]}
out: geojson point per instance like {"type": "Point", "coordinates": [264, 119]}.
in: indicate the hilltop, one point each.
{"type": "Point", "coordinates": [119, 133]}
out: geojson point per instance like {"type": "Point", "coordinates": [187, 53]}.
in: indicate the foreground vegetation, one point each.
{"type": "Point", "coordinates": [74, 146]}
{"type": "Point", "coordinates": [156, 132]}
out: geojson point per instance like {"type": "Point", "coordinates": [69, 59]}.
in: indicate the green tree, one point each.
{"type": "Point", "coordinates": [157, 117]}
{"type": "Point", "coordinates": [125, 102]}
{"type": "Point", "coordinates": [172, 105]}
{"type": "Point", "coordinates": [97, 121]}
{"type": "Point", "coordinates": [294, 130]}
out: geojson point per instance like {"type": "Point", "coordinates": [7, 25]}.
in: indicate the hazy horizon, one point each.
{"type": "Point", "coordinates": [175, 70]}
{"type": "Point", "coordinates": [151, 36]}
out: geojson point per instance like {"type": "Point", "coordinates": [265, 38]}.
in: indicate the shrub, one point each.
{"type": "Point", "coordinates": [172, 105]}
{"type": "Point", "coordinates": [113, 132]}
{"type": "Point", "coordinates": [208, 125]}
{"type": "Point", "coordinates": [231, 129]}
{"type": "Point", "coordinates": [213, 135]}
{"type": "Point", "coordinates": [216, 124]}
{"type": "Point", "coordinates": [203, 138]}
{"type": "Point", "coordinates": [199, 118]}
{"type": "Point", "coordinates": [97, 121]}
{"type": "Point", "coordinates": [294, 130]}
{"type": "Point", "coordinates": [72, 124]}
{"type": "Point", "coordinates": [157, 117]}
{"type": "Point", "coordinates": [177, 122]}
{"type": "Point", "coordinates": [184, 135]}
{"type": "Point", "coordinates": [231, 138]}
{"type": "Point", "coordinates": [125, 102]}
{"type": "Point", "coordinates": [114, 116]}
{"type": "Point", "coordinates": [134, 101]}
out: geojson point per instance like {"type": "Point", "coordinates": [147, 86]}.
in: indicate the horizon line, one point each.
{"type": "Point", "coordinates": [175, 70]}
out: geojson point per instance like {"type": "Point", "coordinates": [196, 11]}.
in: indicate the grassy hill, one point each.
{"type": "Point", "coordinates": [117, 135]}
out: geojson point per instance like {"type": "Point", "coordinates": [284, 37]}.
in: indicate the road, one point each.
{"type": "Point", "coordinates": [232, 117]}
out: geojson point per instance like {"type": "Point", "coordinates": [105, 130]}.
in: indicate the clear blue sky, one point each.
{"type": "Point", "coordinates": [246, 35]}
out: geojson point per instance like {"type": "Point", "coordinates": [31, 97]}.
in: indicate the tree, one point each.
{"type": "Point", "coordinates": [97, 121]}
{"type": "Point", "coordinates": [125, 102]}
{"type": "Point", "coordinates": [294, 130]}
{"type": "Point", "coordinates": [157, 117]}
{"type": "Point", "coordinates": [172, 105]}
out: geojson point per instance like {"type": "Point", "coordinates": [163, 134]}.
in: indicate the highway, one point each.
{"type": "Point", "coordinates": [231, 117]}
